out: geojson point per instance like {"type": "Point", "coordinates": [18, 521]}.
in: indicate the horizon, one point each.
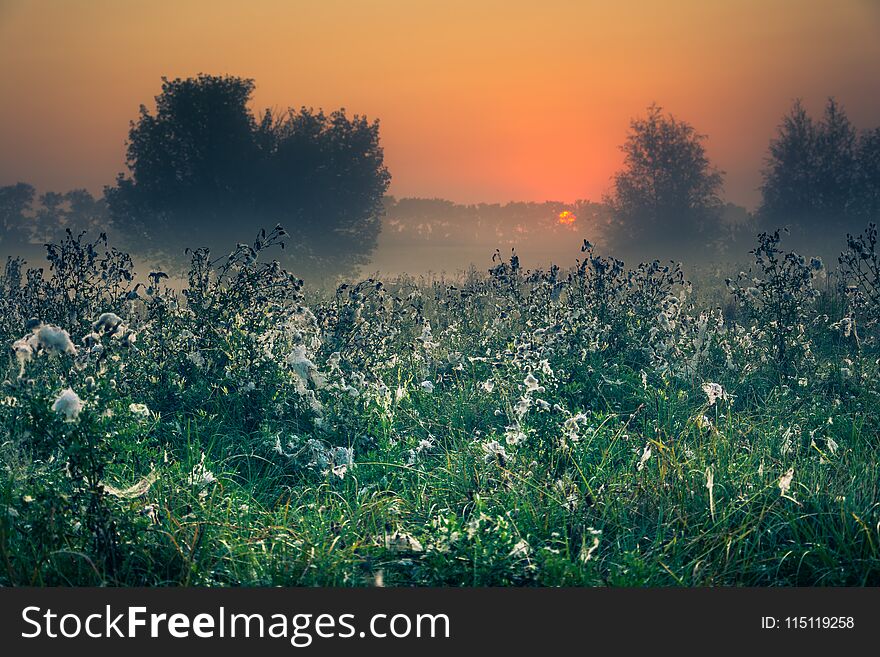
{"type": "Point", "coordinates": [456, 123]}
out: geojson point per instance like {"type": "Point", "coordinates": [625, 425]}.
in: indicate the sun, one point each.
{"type": "Point", "coordinates": [566, 218]}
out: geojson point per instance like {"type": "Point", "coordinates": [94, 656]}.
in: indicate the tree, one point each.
{"type": "Point", "coordinates": [76, 210]}
{"type": "Point", "coordinates": [666, 198]}
{"type": "Point", "coordinates": [27, 222]}
{"type": "Point", "coordinates": [324, 179]}
{"type": "Point", "coordinates": [868, 176]}
{"type": "Point", "coordinates": [15, 206]}
{"type": "Point", "coordinates": [790, 169]}
{"type": "Point", "coordinates": [203, 171]}
{"type": "Point", "coordinates": [820, 178]}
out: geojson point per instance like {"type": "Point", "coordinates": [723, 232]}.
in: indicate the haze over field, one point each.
{"type": "Point", "coordinates": [479, 103]}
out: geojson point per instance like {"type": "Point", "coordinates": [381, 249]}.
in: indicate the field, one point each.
{"type": "Point", "coordinates": [603, 425]}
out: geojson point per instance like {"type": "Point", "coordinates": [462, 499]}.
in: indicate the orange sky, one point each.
{"type": "Point", "coordinates": [479, 100]}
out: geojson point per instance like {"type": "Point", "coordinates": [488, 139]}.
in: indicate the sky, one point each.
{"type": "Point", "coordinates": [478, 100]}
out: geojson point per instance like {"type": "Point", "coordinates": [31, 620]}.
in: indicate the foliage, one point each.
{"type": "Point", "coordinates": [602, 425]}
{"type": "Point", "coordinates": [667, 194]}
{"type": "Point", "coordinates": [202, 169]}
{"type": "Point", "coordinates": [820, 177]}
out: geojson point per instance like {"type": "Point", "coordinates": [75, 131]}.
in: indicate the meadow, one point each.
{"type": "Point", "coordinates": [603, 425]}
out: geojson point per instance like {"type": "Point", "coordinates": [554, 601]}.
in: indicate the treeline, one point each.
{"type": "Point", "coordinates": [202, 169]}
{"type": "Point", "coordinates": [820, 180]}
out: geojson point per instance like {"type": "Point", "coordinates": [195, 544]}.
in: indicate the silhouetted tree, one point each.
{"type": "Point", "coordinates": [790, 169]}
{"type": "Point", "coordinates": [868, 176]}
{"type": "Point", "coordinates": [820, 178]}
{"type": "Point", "coordinates": [15, 226]}
{"type": "Point", "coordinates": [76, 210]}
{"type": "Point", "coordinates": [666, 198]}
{"type": "Point", "coordinates": [27, 222]}
{"type": "Point", "coordinates": [323, 177]}
{"type": "Point", "coordinates": [203, 171]}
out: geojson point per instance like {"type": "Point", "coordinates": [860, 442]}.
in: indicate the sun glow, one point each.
{"type": "Point", "coordinates": [566, 218]}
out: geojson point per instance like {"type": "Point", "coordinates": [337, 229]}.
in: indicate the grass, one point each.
{"type": "Point", "coordinates": [628, 476]}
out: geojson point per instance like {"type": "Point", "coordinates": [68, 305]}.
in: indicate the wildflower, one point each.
{"type": "Point", "coordinates": [493, 451]}
{"type": "Point", "coordinates": [587, 551]}
{"type": "Point", "coordinates": [300, 364]}
{"type": "Point", "coordinates": [55, 340]}
{"type": "Point", "coordinates": [426, 338]}
{"type": "Point", "coordinates": [200, 476]}
{"type": "Point", "coordinates": [646, 454]}
{"type": "Point", "coordinates": [714, 392]}
{"type": "Point", "coordinates": [139, 409]}
{"type": "Point", "coordinates": [23, 353]}
{"type": "Point", "coordinates": [402, 542]}
{"type": "Point", "coordinates": [68, 404]}
{"type": "Point", "coordinates": [845, 326]}
{"type": "Point", "coordinates": [488, 385]}
{"type": "Point", "coordinates": [575, 420]}
{"type": "Point", "coordinates": [399, 394]}
{"type": "Point", "coordinates": [427, 386]}
{"type": "Point", "coordinates": [785, 482]}
{"type": "Point", "coordinates": [341, 458]}
{"type": "Point", "coordinates": [521, 549]}
{"type": "Point", "coordinates": [522, 406]}
{"type": "Point", "coordinates": [831, 444]}
{"type": "Point", "coordinates": [514, 435]}
{"type": "Point", "coordinates": [107, 323]}
{"type": "Point", "coordinates": [424, 445]}
{"type": "Point", "coordinates": [358, 380]}
{"type": "Point", "coordinates": [531, 383]}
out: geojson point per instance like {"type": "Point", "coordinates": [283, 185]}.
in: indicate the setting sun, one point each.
{"type": "Point", "coordinates": [566, 218]}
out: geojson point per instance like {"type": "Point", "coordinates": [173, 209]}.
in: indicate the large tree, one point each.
{"type": "Point", "coordinates": [203, 170]}
{"type": "Point", "coordinates": [666, 198]}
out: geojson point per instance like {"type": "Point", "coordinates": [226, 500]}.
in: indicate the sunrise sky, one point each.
{"type": "Point", "coordinates": [478, 100]}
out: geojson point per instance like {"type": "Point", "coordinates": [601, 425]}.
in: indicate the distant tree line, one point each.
{"type": "Point", "coordinates": [203, 170]}
{"type": "Point", "coordinates": [414, 220]}
{"type": "Point", "coordinates": [821, 175]}
{"type": "Point", "coordinates": [28, 220]}
{"type": "Point", "coordinates": [820, 179]}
